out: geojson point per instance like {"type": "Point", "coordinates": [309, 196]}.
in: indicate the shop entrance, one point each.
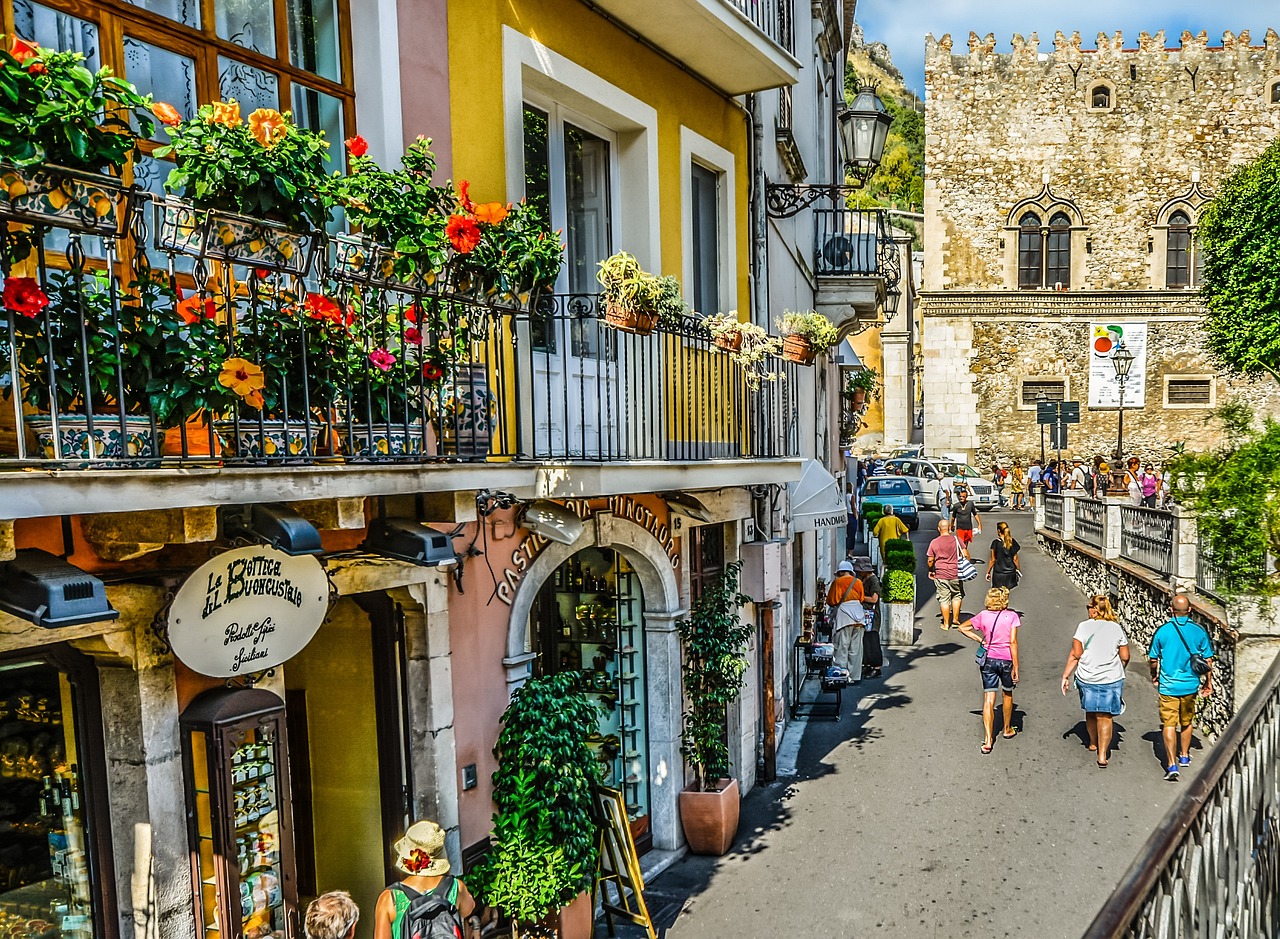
{"type": "Point", "coordinates": [589, 619]}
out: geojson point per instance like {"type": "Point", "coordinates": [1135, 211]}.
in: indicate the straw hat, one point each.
{"type": "Point", "coordinates": [421, 850]}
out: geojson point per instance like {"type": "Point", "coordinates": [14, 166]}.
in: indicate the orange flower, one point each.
{"type": "Point", "coordinates": [166, 114]}
{"type": "Point", "coordinates": [491, 212]}
{"type": "Point", "coordinates": [254, 399]}
{"type": "Point", "coordinates": [464, 199]}
{"type": "Point", "coordinates": [23, 50]}
{"type": "Point", "coordinates": [37, 68]}
{"type": "Point", "coordinates": [357, 145]}
{"type": "Point", "coordinates": [268, 126]}
{"type": "Point", "coordinates": [320, 307]}
{"type": "Point", "coordinates": [193, 311]}
{"type": "Point", "coordinates": [463, 233]}
{"type": "Point", "coordinates": [243, 378]}
{"type": "Point", "coordinates": [227, 112]}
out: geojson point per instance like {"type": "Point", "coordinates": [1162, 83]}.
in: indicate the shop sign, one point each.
{"type": "Point", "coordinates": [622, 506]}
{"type": "Point", "coordinates": [247, 610]}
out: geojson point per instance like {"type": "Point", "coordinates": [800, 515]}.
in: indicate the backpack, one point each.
{"type": "Point", "coordinates": [1088, 483]}
{"type": "Point", "coordinates": [432, 915]}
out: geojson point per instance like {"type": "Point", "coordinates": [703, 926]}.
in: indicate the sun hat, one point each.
{"type": "Point", "coordinates": [863, 563]}
{"type": "Point", "coordinates": [846, 567]}
{"type": "Point", "coordinates": [421, 850]}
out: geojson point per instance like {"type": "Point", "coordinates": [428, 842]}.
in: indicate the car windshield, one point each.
{"type": "Point", "coordinates": [892, 487]}
{"type": "Point", "coordinates": [947, 468]}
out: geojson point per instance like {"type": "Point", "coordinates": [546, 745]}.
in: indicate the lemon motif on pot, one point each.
{"type": "Point", "coordinates": [287, 248]}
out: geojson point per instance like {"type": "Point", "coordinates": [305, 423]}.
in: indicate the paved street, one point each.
{"type": "Point", "coordinates": [895, 824]}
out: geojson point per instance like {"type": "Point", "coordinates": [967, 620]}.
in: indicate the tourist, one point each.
{"type": "Point", "coordinates": [1018, 485]}
{"type": "Point", "coordinates": [1151, 489]}
{"type": "Point", "coordinates": [331, 915]}
{"type": "Point", "coordinates": [1099, 655]}
{"type": "Point", "coordinates": [1080, 478]}
{"type": "Point", "coordinates": [997, 638]}
{"type": "Point", "coordinates": [1049, 479]}
{"type": "Point", "coordinates": [965, 520]}
{"type": "Point", "coordinates": [851, 523]}
{"type": "Point", "coordinates": [888, 528]}
{"type": "Point", "coordinates": [1004, 570]}
{"type": "Point", "coordinates": [1170, 658]}
{"type": "Point", "coordinates": [943, 559]}
{"type": "Point", "coordinates": [873, 638]}
{"type": "Point", "coordinates": [1035, 479]}
{"type": "Point", "coordinates": [420, 856]}
{"type": "Point", "coordinates": [1132, 482]}
{"type": "Point", "coordinates": [845, 600]}
{"type": "Point", "coordinates": [999, 476]}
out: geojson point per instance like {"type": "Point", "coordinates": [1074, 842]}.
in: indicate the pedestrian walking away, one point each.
{"type": "Point", "coordinates": [1181, 660]}
{"type": "Point", "coordinates": [965, 520]}
{"type": "Point", "coordinates": [1004, 570]}
{"type": "Point", "coordinates": [1018, 486]}
{"type": "Point", "coordinates": [1099, 656]}
{"type": "Point", "coordinates": [428, 902]}
{"type": "Point", "coordinates": [1035, 477]}
{"type": "Point", "coordinates": [845, 599]}
{"type": "Point", "coordinates": [331, 915]}
{"type": "Point", "coordinates": [1080, 477]}
{"type": "Point", "coordinates": [873, 635]}
{"type": "Point", "coordinates": [1000, 476]}
{"type": "Point", "coordinates": [851, 526]}
{"type": "Point", "coordinates": [943, 559]}
{"type": "Point", "coordinates": [888, 528]}
{"type": "Point", "coordinates": [995, 630]}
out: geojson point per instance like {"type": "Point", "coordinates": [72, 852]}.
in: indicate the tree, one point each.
{"type": "Point", "coordinates": [1240, 244]}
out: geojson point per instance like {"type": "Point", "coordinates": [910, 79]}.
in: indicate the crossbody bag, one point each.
{"type": "Point", "coordinates": [981, 657]}
{"type": "Point", "coordinates": [1199, 664]}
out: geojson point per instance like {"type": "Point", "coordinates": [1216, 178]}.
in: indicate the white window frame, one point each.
{"type": "Point", "coordinates": [694, 148]}
{"type": "Point", "coordinates": [1213, 392]}
{"type": "Point", "coordinates": [1042, 379]}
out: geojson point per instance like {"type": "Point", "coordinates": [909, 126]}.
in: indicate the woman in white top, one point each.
{"type": "Point", "coordinates": [1099, 655]}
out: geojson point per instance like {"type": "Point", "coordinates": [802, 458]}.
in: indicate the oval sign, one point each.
{"type": "Point", "coordinates": [247, 610]}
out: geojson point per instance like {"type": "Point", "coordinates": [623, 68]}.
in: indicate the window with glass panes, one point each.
{"type": "Point", "coordinates": [706, 561]}
{"type": "Point", "coordinates": [1177, 271]}
{"type": "Point", "coordinates": [292, 55]}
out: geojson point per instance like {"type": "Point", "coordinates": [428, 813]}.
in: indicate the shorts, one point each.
{"type": "Point", "coordinates": [965, 535]}
{"type": "Point", "coordinates": [1104, 698]}
{"type": "Point", "coordinates": [997, 673]}
{"type": "Point", "coordinates": [1177, 710]}
{"type": "Point", "coordinates": [949, 591]}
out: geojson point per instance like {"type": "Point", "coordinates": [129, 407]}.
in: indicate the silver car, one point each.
{"type": "Point", "coordinates": [933, 479]}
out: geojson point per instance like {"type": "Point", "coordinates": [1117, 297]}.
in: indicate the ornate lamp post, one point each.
{"type": "Point", "coordinates": [1122, 362]}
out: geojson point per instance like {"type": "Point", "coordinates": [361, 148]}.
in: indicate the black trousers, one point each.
{"type": "Point", "coordinates": [872, 654]}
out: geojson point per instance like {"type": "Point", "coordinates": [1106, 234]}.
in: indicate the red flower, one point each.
{"type": "Point", "coordinates": [412, 336]}
{"type": "Point", "coordinates": [357, 146]}
{"type": "Point", "coordinates": [166, 114]}
{"type": "Point", "coordinates": [192, 310]}
{"type": "Point", "coordinates": [23, 295]}
{"type": "Point", "coordinates": [37, 68]}
{"type": "Point", "coordinates": [464, 199]}
{"type": "Point", "coordinates": [23, 50]}
{"type": "Point", "coordinates": [261, 273]}
{"type": "Point", "coordinates": [411, 313]}
{"type": "Point", "coordinates": [382, 359]}
{"type": "Point", "coordinates": [463, 232]}
{"type": "Point", "coordinates": [432, 372]}
{"type": "Point", "coordinates": [320, 307]}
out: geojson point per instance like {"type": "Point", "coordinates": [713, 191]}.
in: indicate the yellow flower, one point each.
{"type": "Point", "coordinates": [268, 126]}
{"type": "Point", "coordinates": [243, 378]}
{"type": "Point", "coordinates": [227, 112]}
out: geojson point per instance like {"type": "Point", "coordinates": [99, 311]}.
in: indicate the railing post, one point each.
{"type": "Point", "coordinates": [1186, 551]}
{"type": "Point", "coordinates": [1069, 497]}
{"type": "Point", "coordinates": [1039, 510]}
{"type": "Point", "coordinates": [1111, 527]}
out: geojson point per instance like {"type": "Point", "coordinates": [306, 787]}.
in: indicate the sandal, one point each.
{"type": "Point", "coordinates": [1102, 765]}
{"type": "Point", "coordinates": [1009, 736]}
{"type": "Point", "coordinates": [986, 748]}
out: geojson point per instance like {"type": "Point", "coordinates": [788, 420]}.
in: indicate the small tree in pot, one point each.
{"type": "Point", "coordinates": [715, 643]}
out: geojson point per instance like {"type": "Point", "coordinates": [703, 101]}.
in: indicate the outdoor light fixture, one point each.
{"type": "Point", "coordinates": [49, 592]}
{"type": "Point", "coordinates": [891, 301]}
{"type": "Point", "coordinates": [272, 524]}
{"type": "Point", "coordinates": [406, 539]}
{"type": "Point", "coordinates": [681, 503]}
{"type": "Point", "coordinates": [1122, 362]}
{"type": "Point", "coordinates": [553, 521]}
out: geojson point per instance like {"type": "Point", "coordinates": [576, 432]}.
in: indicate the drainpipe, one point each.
{"type": "Point", "coordinates": [759, 220]}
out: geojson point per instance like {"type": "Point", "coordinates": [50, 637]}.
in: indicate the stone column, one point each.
{"type": "Point", "coordinates": [1069, 497]}
{"type": "Point", "coordinates": [1039, 510]}
{"type": "Point", "coordinates": [1186, 551]}
{"type": "Point", "coordinates": [1111, 529]}
{"type": "Point", "coordinates": [666, 707]}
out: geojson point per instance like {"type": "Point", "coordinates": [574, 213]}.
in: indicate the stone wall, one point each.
{"type": "Point", "coordinates": [1142, 605]}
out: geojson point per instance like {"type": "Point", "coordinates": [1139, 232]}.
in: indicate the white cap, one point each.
{"type": "Point", "coordinates": [846, 567]}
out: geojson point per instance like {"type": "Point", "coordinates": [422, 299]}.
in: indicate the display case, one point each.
{"type": "Point", "coordinates": [238, 812]}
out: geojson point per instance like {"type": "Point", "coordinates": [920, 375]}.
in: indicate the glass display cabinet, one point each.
{"type": "Point", "coordinates": [238, 812]}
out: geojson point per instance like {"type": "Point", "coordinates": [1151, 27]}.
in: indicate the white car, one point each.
{"type": "Point", "coordinates": [933, 479]}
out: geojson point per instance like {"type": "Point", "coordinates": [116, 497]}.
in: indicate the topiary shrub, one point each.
{"type": "Point", "coordinates": [900, 555]}
{"type": "Point", "coordinates": [900, 587]}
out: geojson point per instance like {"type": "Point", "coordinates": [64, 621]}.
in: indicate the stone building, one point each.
{"type": "Point", "coordinates": [1062, 194]}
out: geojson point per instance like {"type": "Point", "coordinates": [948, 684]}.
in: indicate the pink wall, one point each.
{"type": "Point", "coordinates": [424, 77]}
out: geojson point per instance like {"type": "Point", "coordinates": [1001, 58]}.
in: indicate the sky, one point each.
{"type": "Point", "coordinates": [902, 24]}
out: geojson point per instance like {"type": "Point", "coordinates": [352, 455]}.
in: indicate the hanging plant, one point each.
{"type": "Point", "coordinates": [750, 346]}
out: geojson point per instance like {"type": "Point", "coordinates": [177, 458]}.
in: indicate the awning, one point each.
{"type": "Point", "coordinates": [845, 355]}
{"type": "Point", "coordinates": [816, 501]}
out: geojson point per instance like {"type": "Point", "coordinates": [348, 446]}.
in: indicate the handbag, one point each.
{"type": "Point", "coordinates": [964, 567]}
{"type": "Point", "coordinates": [1199, 664]}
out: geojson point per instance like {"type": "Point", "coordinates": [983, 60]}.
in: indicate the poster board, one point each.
{"type": "Point", "coordinates": [1104, 389]}
{"type": "Point", "coordinates": [619, 886]}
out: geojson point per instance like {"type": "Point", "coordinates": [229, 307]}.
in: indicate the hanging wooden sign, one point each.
{"type": "Point", "coordinates": [618, 866]}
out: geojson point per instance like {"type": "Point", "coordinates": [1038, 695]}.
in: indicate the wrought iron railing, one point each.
{"type": "Point", "coordinates": [1212, 866]}
{"type": "Point", "coordinates": [1147, 537]}
{"type": "Point", "coordinates": [1091, 520]}
{"type": "Point", "coordinates": [772, 17]}
{"type": "Point", "coordinates": [851, 241]}
{"type": "Point", "coordinates": [1053, 511]}
{"type": "Point", "coordinates": [176, 341]}
{"type": "Point", "coordinates": [1208, 569]}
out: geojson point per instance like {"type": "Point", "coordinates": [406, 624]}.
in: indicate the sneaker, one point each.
{"type": "Point", "coordinates": [1184, 760]}
{"type": "Point", "coordinates": [1171, 774]}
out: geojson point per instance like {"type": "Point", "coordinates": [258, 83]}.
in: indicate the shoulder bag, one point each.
{"type": "Point", "coordinates": [981, 657]}
{"type": "Point", "coordinates": [964, 567]}
{"type": "Point", "coordinates": [1199, 664]}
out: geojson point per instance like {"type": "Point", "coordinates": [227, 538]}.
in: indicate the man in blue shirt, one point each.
{"type": "Point", "coordinates": [1170, 658]}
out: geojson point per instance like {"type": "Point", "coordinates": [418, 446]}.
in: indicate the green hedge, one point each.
{"type": "Point", "coordinates": [900, 555]}
{"type": "Point", "coordinates": [900, 587]}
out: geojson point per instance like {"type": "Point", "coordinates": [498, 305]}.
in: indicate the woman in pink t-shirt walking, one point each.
{"type": "Point", "coordinates": [995, 630]}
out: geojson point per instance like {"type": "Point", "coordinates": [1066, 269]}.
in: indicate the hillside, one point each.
{"type": "Point", "coordinates": [873, 62]}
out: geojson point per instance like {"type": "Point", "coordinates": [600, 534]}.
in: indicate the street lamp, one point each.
{"type": "Point", "coordinates": [1122, 362]}
{"type": "Point", "coordinates": [891, 301]}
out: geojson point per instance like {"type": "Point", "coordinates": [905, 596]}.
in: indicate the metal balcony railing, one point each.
{"type": "Point", "coordinates": [1147, 537]}
{"type": "Point", "coordinates": [853, 242]}
{"type": "Point", "coordinates": [772, 17]}
{"type": "Point", "coordinates": [1091, 520]}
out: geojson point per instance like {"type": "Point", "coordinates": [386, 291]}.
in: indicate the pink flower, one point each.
{"type": "Point", "coordinates": [382, 359]}
{"type": "Point", "coordinates": [412, 336]}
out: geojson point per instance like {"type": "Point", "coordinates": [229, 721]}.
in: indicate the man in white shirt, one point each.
{"type": "Point", "coordinates": [1077, 474]}
{"type": "Point", "coordinates": [1035, 477]}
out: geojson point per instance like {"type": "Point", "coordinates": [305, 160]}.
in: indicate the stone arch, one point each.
{"type": "Point", "coordinates": [1045, 204]}
{"type": "Point", "coordinates": [1100, 95]}
{"type": "Point", "coordinates": [1273, 92]}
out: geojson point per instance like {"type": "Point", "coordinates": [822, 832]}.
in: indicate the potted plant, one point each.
{"type": "Point", "coordinates": [805, 334]}
{"type": "Point", "coordinates": [631, 294]}
{"type": "Point", "coordinates": [715, 642]}
{"type": "Point", "coordinates": [900, 590]}
{"type": "Point", "coordinates": [749, 346]}
{"type": "Point", "coordinates": [861, 384]}
{"type": "Point", "coordinates": [544, 839]}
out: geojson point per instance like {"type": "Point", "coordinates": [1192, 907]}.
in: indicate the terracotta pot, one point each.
{"type": "Point", "coordinates": [730, 342]}
{"type": "Point", "coordinates": [576, 920]}
{"type": "Point", "coordinates": [710, 819]}
{"type": "Point", "coordinates": [630, 321]}
{"type": "Point", "coordinates": [859, 397]}
{"type": "Point", "coordinates": [798, 349]}
{"type": "Point", "coordinates": [197, 432]}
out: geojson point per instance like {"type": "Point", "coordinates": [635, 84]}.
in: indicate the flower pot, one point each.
{"type": "Point", "coordinates": [642, 323]}
{"type": "Point", "coordinates": [859, 398]}
{"type": "Point", "coordinates": [468, 411]}
{"type": "Point", "coordinates": [226, 236]}
{"type": "Point", "coordinates": [197, 439]}
{"type": "Point", "coordinates": [106, 441]}
{"type": "Point", "coordinates": [89, 203]}
{"type": "Point", "coordinates": [798, 349]}
{"type": "Point", "coordinates": [710, 819]}
{"type": "Point", "coordinates": [359, 260]}
{"type": "Point", "coordinates": [729, 342]}
{"type": "Point", "coordinates": [576, 921]}
{"type": "Point", "coordinates": [363, 441]}
{"type": "Point", "coordinates": [268, 440]}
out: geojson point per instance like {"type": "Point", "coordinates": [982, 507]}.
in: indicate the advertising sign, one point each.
{"type": "Point", "coordinates": [1104, 388]}
{"type": "Point", "coordinates": [247, 610]}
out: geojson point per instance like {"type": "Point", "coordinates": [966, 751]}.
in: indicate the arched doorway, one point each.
{"type": "Point", "coordinates": [588, 620]}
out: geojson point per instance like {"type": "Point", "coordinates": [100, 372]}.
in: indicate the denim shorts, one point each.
{"type": "Point", "coordinates": [997, 673]}
{"type": "Point", "coordinates": [1101, 698]}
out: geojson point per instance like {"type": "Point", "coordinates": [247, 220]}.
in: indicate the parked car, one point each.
{"type": "Point", "coordinates": [894, 491]}
{"type": "Point", "coordinates": [931, 478]}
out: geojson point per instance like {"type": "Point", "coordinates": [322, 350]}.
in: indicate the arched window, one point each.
{"type": "Point", "coordinates": [1100, 97]}
{"type": "Point", "coordinates": [1058, 266]}
{"type": "Point", "coordinates": [1030, 255]}
{"type": "Point", "coordinates": [1177, 271]}
{"type": "Point", "coordinates": [1275, 92]}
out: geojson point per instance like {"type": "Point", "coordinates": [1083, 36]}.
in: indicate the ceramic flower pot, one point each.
{"type": "Point", "coordinates": [468, 412]}
{"type": "Point", "coordinates": [225, 236]}
{"type": "Point", "coordinates": [364, 441]}
{"type": "Point", "coordinates": [729, 342]}
{"type": "Point", "coordinates": [642, 323]}
{"type": "Point", "coordinates": [270, 440]}
{"type": "Point", "coordinates": [798, 349]}
{"type": "Point", "coordinates": [84, 202]}
{"type": "Point", "coordinates": [104, 443]}
{"type": "Point", "coordinates": [710, 819]}
{"type": "Point", "coordinates": [359, 260]}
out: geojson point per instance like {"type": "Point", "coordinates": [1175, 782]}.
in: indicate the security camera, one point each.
{"type": "Point", "coordinates": [552, 521]}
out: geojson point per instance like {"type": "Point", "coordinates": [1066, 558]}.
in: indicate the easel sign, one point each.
{"type": "Point", "coordinates": [618, 864]}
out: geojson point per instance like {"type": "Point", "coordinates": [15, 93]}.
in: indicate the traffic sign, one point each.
{"type": "Point", "coordinates": [1058, 437]}
{"type": "Point", "coordinates": [1069, 412]}
{"type": "Point", "coordinates": [1047, 412]}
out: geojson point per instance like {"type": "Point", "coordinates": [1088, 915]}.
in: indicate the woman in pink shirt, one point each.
{"type": "Point", "coordinates": [995, 630]}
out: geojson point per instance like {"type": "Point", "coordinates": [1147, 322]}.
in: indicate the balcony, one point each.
{"type": "Point", "coordinates": [740, 46]}
{"type": "Point", "coordinates": [855, 261]}
{"type": "Point", "coordinates": [315, 383]}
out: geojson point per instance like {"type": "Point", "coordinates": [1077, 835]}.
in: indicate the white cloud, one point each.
{"type": "Point", "coordinates": [902, 24]}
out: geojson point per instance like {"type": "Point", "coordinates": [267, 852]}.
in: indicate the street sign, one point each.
{"type": "Point", "coordinates": [1047, 412]}
{"type": "Point", "coordinates": [1058, 437]}
{"type": "Point", "coordinates": [1069, 412]}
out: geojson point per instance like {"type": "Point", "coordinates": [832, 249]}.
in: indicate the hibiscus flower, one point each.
{"type": "Point", "coordinates": [432, 372]}
{"type": "Point", "coordinates": [166, 114]}
{"type": "Point", "coordinates": [412, 336]}
{"type": "Point", "coordinates": [243, 378]}
{"type": "Point", "coordinates": [464, 199]}
{"type": "Point", "coordinates": [382, 359]}
{"type": "Point", "coordinates": [357, 146]}
{"type": "Point", "coordinates": [463, 233]}
{"type": "Point", "coordinates": [491, 213]}
{"type": "Point", "coordinates": [224, 112]}
{"type": "Point", "coordinates": [193, 311]}
{"type": "Point", "coordinates": [23, 50]}
{"type": "Point", "coordinates": [23, 296]}
{"type": "Point", "coordinates": [268, 126]}
{"type": "Point", "coordinates": [320, 307]}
